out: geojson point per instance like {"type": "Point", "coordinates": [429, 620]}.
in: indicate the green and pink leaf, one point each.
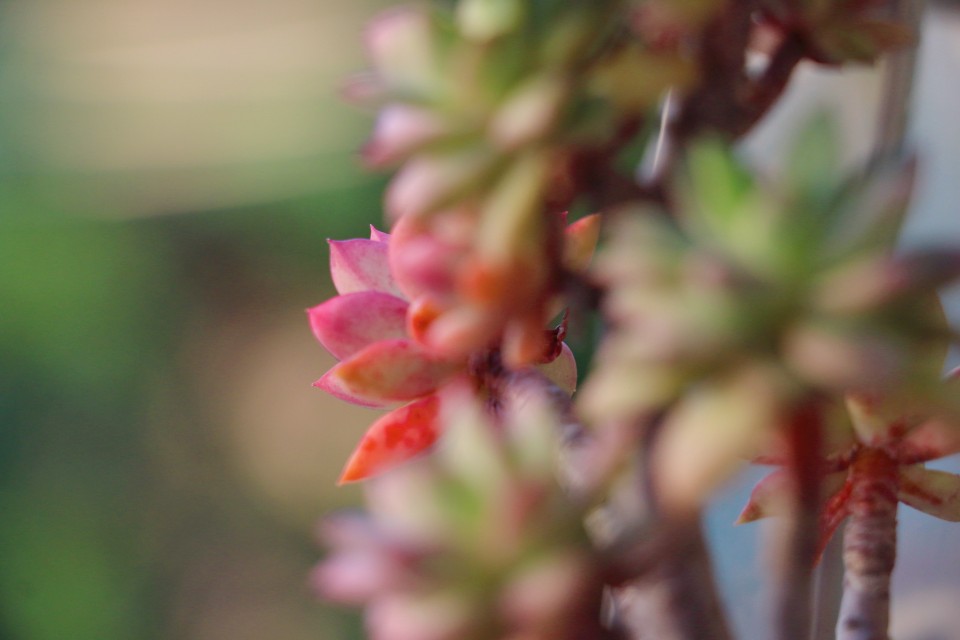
{"type": "Point", "coordinates": [934, 492]}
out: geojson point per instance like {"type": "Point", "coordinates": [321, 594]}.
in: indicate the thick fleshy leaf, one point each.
{"type": "Point", "coordinates": [931, 440]}
{"type": "Point", "coordinates": [461, 331]}
{"type": "Point", "coordinates": [361, 265]}
{"type": "Point", "coordinates": [875, 420]}
{"type": "Point", "coordinates": [400, 131]}
{"type": "Point", "coordinates": [400, 44]}
{"type": "Point", "coordinates": [378, 236]}
{"type": "Point", "coordinates": [394, 438]}
{"type": "Point", "coordinates": [771, 496]}
{"type": "Point", "coordinates": [348, 323]}
{"type": "Point", "coordinates": [388, 371]}
{"type": "Point", "coordinates": [580, 241]}
{"type": "Point", "coordinates": [562, 371]}
{"type": "Point", "coordinates": [709, 435]}
{"type": "Point", "coordinates": [934, 492]}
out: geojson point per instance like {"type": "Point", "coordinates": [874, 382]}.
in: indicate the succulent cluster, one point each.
{"type": "Point", "coordinates": [383, 364]}
{"type": "Point", "coordinates": [738, 317]}
{"type": "Point", "coordinates": [756, 296]}
{"type": "Point", "coordinates": [477, 541]}
{"type": "Point", "coordinates": [489, 109]}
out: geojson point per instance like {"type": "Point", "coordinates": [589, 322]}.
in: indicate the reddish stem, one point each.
{"type": "Point", "coordinates": [794, 604]}
{"type": "Point", "coordinates": [869, 547]}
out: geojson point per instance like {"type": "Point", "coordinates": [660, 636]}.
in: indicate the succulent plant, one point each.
{"type": "Point", "coordinates": [478, 541]}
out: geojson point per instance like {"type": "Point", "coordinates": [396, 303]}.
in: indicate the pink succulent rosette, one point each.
{"type": "Point", "coordinates": [879, 440]}
{"type": "Point", "coordinates": [464, 299]}
{"type": "Point", "coordinates": [383, 365]}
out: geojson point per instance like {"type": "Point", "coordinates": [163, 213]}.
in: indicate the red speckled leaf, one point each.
{"type": "Point", "coordinates": [934, 492]}
{"type": "Point", "coordinates": [347, 324]}
{"type": "Point", "coordinates": [393, 439]}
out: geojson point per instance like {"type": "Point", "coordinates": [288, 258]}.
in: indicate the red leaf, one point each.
{"type": "Point", "coordinates": [393, 439]}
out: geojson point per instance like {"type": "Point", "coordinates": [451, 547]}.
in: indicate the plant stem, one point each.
{"type": "Point", "coordinates": [676, 599]}
{"type": "Point", "coordinates": [898, 83]}
{"type": "Point", "coordinates": [869, 548]}
{"type": "Point", "coordinates": [829, 589]}
{"type": "Point", "coordinates": [794, 603]}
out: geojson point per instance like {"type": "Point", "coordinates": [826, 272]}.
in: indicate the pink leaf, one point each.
{"type": "Point", "coordinates": [361, 265]}
{"type": "Point", "coordinates": [348, 323]}
{"type": "Point", "coordinates": [580, 240]}
{"type": "Point", "coordinates": [388, 371]}
{"type": "Point", "coordinates": [769, 497]}
{"type": "Point", "coordinates": [400, 131]}
{"type": "Point", "coordinates": [934, 492]}
{"type": "Point", "coordinates": [393, 439]}
{"type": "Point", "coordinates": [379, 236]}
{"type": "Point", "coordinates": [562, 371]}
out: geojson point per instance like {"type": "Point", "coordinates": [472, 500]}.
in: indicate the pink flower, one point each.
{"type": "Point", "coordinates": [381, 365]}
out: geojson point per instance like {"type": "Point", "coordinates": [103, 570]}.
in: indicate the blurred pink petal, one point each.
{"type": "Point", "coordinates": [562, 371]}
{"type": "Point", "coordinates": [393, 439]}
{"type": "Point", "coordinates": [348, 323]}
{"type": "Point", "coordinates": [361, 265]}
{"type": "Point", "coordinates": [401, 130]}
{"type": "Point", "coordinates": [355, 577]}
{"type": "Point", "coordinates": [387, 371]}
{"type": "Point", "coordinates": [934, 492]}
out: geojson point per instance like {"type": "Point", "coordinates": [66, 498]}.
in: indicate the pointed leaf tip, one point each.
{"type": "Point", "coordinates": [361, 265]}
{"type": "Point", "coordinates": [393, 439]}
{"type": "Point", "coordinates": [580, 242]}
{"type": "Point", "coordinates": [378, 236]}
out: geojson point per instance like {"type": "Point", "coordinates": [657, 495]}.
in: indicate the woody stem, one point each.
{"type": "Point", "coordinates": [869, 548]}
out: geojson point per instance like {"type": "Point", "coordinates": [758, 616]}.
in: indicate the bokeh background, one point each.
{"type": "Point", "coordinates": [169, 172]}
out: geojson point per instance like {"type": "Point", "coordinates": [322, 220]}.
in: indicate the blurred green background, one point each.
{"type": "Point", "coordinates": [168, 175]}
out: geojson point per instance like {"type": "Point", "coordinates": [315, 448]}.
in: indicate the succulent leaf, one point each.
{"type": "Point", "coordinates": [361, 265]}
{"type": "Point", "coordinates": [394, 438]}
{"type": "Point", "coordinates": [386, 372]}
{"type": "Point", "coordinates": [936, 493]}
{"type": "Point", "coordinates": [348, 323]}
